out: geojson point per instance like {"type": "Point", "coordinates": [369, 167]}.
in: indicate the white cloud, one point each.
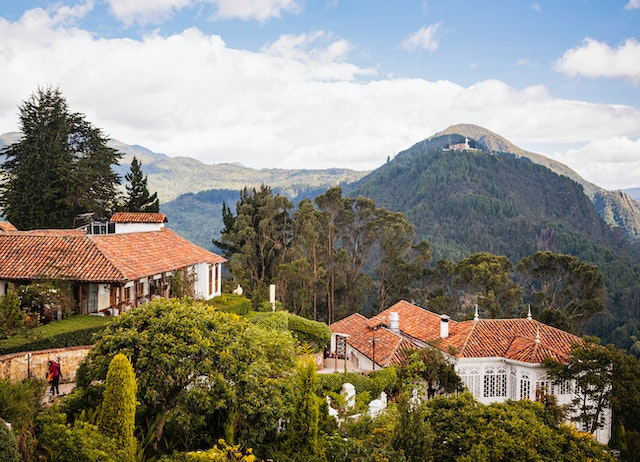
{"type": "Point", "coordinates": [536, 7]}
{"type": "Point", "coordinates": [298, 103]}
{"type": "Point", "coordinates": [261, 10]}
{"type": "Point", "coordinates": [597, 59]}
{"type": "Point", "coordinates": [145, 11]}
{"type": "Point", "coordinates": [426, 38]}
{"type": "Point", "coordinates": [632, 5]}
{"type": "Point", "coordinates": [156, 11]}
{"type": "Point", "coordinates": [612, 163]}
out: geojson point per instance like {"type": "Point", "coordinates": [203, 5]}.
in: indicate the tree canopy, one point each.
{"type": "Point", "coordinates": [138, 197]}
{"type": "Point", "coordinates": [60, 168]}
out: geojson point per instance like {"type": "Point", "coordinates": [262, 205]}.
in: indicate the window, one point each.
{"type": "Point", "coordinates": [543, 387]}
{"type": "Point", "coordinates": [513, 385]}
{"type": "Point", "coordinates": [564, 388]}
{"type": "Point", "coordinates": [525, 386]}
{"type": "Point", "coordinates": [472, 381]}
{"type": "Point", "coordinates": [495, 383]}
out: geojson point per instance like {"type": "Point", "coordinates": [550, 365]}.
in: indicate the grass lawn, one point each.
{"type": "Point", "coordinates": [63, 330]}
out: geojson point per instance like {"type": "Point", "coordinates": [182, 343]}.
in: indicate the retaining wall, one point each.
{"type": "Point", "coordinates": [34, 364]}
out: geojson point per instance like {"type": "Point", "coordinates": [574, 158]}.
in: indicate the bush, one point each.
{"type": "Point", "coordinates": [19, 404]}
{"type": "Point", "coordinates": [8, 444]}
{"type": "Point", "coordinates": [11, 316]}
{"type": "Point", "coordinates": [74, 331]}
{"type": "Point", "coordinates": [315, 333]}
{"type": "Point", "coordinates": [231, 303]}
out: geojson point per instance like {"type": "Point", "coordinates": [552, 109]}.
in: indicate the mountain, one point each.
{"type": "Point", "coordinates": [174, 176]}
{"type": "Point", "coordinates": [617, 208]}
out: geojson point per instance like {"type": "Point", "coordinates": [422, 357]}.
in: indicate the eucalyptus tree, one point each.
{"type": "Point", "coordinates": [256, 239]}
{"type": "Point", "coordinates": [562, 286]}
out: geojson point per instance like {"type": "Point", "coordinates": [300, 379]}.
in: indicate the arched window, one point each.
{"type": "Point", "coordinates": [495, 383]}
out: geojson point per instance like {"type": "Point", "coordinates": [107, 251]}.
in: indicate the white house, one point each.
{"type": "Point", "coordinates": [109, 272]}
{"type": "Point", "coordinates": [497, 359]}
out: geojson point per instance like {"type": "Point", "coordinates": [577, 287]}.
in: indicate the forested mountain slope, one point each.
{"type": "Point", "coordinates": [481, 199]}
{"type": "Point", "coordinates": [616, 208]}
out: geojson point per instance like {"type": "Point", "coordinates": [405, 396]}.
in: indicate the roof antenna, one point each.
{"type": "Point", "coordinates": [475, 316]}
{"type": "Point", "coordinates": [529, 313]}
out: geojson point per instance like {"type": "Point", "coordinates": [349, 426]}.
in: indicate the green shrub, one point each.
{"type": "Point", "coordinates": [8, 444]}
{"type": "Point", "coordinates": [74, 331]}
{"type": "Point", "coordinates": [278, 320]}
{"type": "Point", "coordinates": [231, 303]}
{"type": "Point", "coordinates": [82, 441]}
{"type": "Point", "coordinates": [11, 316]}
{"type": "Point", "coordinates": [315, 333]}
{"type": "Point", "coordinates": [118, 414]}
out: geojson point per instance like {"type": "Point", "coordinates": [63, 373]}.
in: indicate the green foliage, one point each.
{"type": "Point", "coordinates": [202, 373]}
{"type": "Point", "coordinates": [307, 331]}
{"type": "Point", "coordinates": [8, 444]}
{"type": "Point", "coordinates": [303, 427]}
{"type": "Point", "coordinates": [222, 452]}
{"type": "Point", "coordinates": [412, 433]}
{"type": "Point", "coordinates": [515, 430]}
{"type": "Point", "coordinates": [118, 411]}
{"type": "Point", "coordinates": [78, 178]}
{"type": "Point", "coordinates": [74, 331]}
{"type": "Point", "coordinates": [375, 383]}
{"type": "Point", "coordinates": [80, 442]}
{"type": "Point", "coordinates": [11, 316]}
{"type": "Point", "coordinates": [138, 198]}
{"type": "Point", "coordinates": [231, 303]}
{"type": "Point", "coordinates": [19, 404]}
{"type": "Point", "coordinates": [429, 367]}
{"type": "Point", "coordinates": [591, 366]}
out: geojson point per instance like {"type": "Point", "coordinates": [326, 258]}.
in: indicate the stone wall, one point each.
{"type": "Point", "coordinates": [34, 364]}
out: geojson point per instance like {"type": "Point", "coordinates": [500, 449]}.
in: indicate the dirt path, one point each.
{"type": "Point", "coordinates": [65, 389]}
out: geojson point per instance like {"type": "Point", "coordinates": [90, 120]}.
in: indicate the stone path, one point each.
{"type": "Point", "coordinates": [65, 389]}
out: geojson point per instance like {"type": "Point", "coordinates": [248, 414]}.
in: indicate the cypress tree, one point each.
{"type": "Point", "coordinates": [59, 169]}
{"type": "Point", "coordinates": [138, 197]}
{"type": "Point", "coordinates": [305, 421]}
{"type": "Point", "coordinates": [118, 412]}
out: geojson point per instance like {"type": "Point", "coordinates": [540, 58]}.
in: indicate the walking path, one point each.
{"type": "Point", "coordinates": [65, 388]}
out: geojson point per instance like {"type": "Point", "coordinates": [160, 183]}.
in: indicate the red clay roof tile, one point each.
{"type": "Point", "coordinates": [60, 254]}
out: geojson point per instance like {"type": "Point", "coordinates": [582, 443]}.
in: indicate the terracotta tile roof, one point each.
{"type": "Point", "coordinates": [5, 226]}
{"type": "Point", "coordinates": [523, 340]}
{"type": "Point", "coordinates": [63, 254]}
{"type": "Point", "coordinates": [131, 217]}
{"type": "Point", "coordinates": [388, 344]}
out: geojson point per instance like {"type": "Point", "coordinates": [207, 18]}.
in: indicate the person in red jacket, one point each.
{"type": "Point", "coordinates": [55, 374]}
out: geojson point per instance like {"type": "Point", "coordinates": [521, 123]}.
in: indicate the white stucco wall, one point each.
{"type": "Point", "coordinates": [137, 227]}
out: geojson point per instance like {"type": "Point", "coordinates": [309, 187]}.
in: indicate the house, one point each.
{"type": "Point", "coordinates": [497, 359]}
{"type": "Point", "coordinates": [110, 268]}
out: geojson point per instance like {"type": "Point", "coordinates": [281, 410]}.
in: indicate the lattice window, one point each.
{"type": "Point", "coordinates": [525, 386]}
{"type": "Point", "coordinates": [543, 387]}
{"type": "Point", "coordinates": [495, 383]}
{"type": "Point", "coordinates": [471, 380]}
{"type": "Point", "coordinates": [564, 388]}
{"type": "Point", "coordinates": [513, 385]}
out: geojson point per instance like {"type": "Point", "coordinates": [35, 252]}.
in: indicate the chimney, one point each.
{"type": "Point", "coordinates": [444, 326]}
{"type": "Point", "coordinates": [394, 321]}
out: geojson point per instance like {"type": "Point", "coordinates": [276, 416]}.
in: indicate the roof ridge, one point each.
{"type": "Point", "coordinates": [469, 335]}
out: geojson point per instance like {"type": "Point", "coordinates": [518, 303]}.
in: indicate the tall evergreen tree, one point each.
{"type": "Point", "coordinates": [59, 169]}
{"type": "Point", "coordinates": [138, 197]}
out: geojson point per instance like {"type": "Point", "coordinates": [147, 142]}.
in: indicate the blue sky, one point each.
{"type": "Point", "coordinates": [337, 83]}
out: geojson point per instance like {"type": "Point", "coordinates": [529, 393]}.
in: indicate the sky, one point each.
{"type": "Point", "coordinates": [336, 83]}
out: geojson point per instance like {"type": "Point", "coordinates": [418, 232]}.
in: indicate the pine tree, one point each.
{"type": "Point", "coordinates": [59, 169]}
{"type": "Point", "coordinates": [118, 413]}
{"type": "Point", "coordinates": [138, 197]}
